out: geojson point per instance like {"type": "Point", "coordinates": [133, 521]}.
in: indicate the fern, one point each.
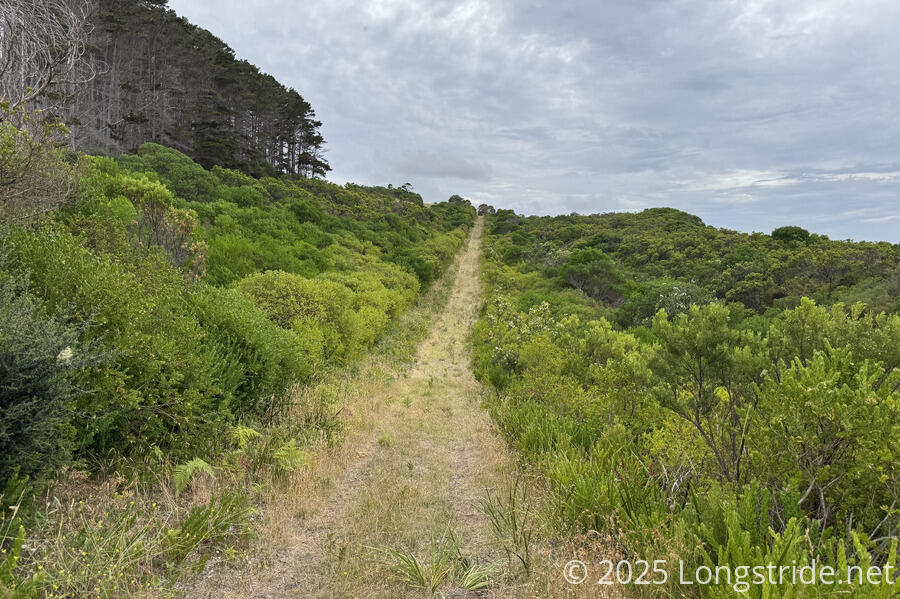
{"type": "Point", "coordinates": [242, 435]}
{"type": "Point", "coordinates": [185, 473]}
{"type": "Point", "coordinates": [289, 457]}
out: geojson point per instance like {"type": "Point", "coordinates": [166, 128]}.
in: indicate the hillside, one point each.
{"type": "Point", "coordinates": [224, 376]}
{"type": "Point", "coordinates": [633, 264]}
{"type": "Point", "coordinates": [121, 73]}
{"type": "Point", "coordinates": [685, 399]}
{"type": "Point", "coordinates": [165, 315]}
{"type": "Point", "coordinates": [163, 325]}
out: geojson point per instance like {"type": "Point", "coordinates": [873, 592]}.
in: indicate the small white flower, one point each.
{"type": "Point", "coordinates": [65, 355]}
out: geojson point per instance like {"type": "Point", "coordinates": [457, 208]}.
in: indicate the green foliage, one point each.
{"type": "Point", "coordinates": [791, 233]}
{"type": "Point", "coordinates": [299, 275]}
{"type": "Point", "coordinates": [427, 576]}
{"type": "Point", "coordinates": [594, 273]}
{"type": "Point", "coordinates": [751, 432]}
{"type": "Point", "coordinates": [843, 460]}
{"type": "Point", "coordinates": [311, 307]}
{"type": "Point", "coordinates": [289, 457]}
{"type": "Point", "coordinates": [185, 473]}
{"type": "Point", "coordinates": [707, 370]}
{"type": "Point", "coordinates": [476, 577]}
{"type": "Point", "coordinates": [184, 177]}
{"type": "Point", "coordinates": [123, 212]}
{"type": "Point", "coordinates": [12, 540]}
{"type": "Point", "coordinates": [224, 519]}
{"type": "Point", "coordinates": [512, 522]}
{"type": "Point", "coordinates": [41, 358]}
{"type": "Point", "coordinates": [255, 360]}
{"type": "Point", "coordinates": [9, 582]}
{"type": "Point", "coordinates": [675, 297]}
{"type": "Point", "coordinates": [156, 388]}
{"type": "Point", "coordinates": [664, 258]}
{"type": "Point", "coordinates": [243, 435]}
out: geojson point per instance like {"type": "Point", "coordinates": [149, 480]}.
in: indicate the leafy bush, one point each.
{"type": "Point", "coordinates": [183, 176]}
{"type": "Point", "coordinates": [156, 388]}
{"type": "Point", "coordinates": [308, 306]}
{"type": "Point", "coordinates": [118, 271]}
{"type": "Point", "coordinates": [675, 297]}
{"type": "Point", "coordinates": [715, 435]}
{"type": "Point", "coordinates": [594, 273]}
{"type": "Point", "coordinates": [41, 357]}
{"type": "Point", "coordinates": [130, 215]}
{"type": "Point", "coordinates": [788, 234]}
{"type": "Point", "coordinates": [255, 360]}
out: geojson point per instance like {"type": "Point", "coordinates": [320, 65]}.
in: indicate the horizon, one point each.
{"type": "Point", "coordinates": [705, 223]}
{"type": "Point", "coordinates": [751, 117]}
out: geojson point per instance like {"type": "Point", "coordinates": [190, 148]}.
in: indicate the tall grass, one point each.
{"type": "Point", "coordinates": [119, 545]}
{"type": "Point", "coordinates": [512, 521]}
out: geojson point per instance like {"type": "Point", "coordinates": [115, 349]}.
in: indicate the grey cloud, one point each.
{"type": "Point", "coordinates": [750, 114]}
{"type": "Point", "coordinates": [442, 165]}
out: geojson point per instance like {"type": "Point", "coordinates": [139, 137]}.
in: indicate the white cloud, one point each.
{"type": "Point", "coordinates": [743, 112]}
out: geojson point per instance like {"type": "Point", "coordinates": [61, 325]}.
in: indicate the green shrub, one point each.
{"type": "Point", "coordinates": [129, 215]}
{"type": "Point", "coordinates": [231, 257]}
{"type": "Point", "coordinates": [836, 457]}
{"type": "Point", "coordinates": [256, 361]}
{"type": "Point", "coordinates": [594, 273]}
{"type": "Point", "coordinates": [428, 260]}
{"type": "Point", "coordinates": [791, 233]}
{"type": "Point", "coordinates": [118, 270]}
{"type": "Point", "coordinates": [40, 359]}
{"type": "Point", "coordinates": [186, 178]}
{"type": "Point", "coordinates": [675, 297]}
{"type": "Point", "coordinates": [157, 388]}
{"type": "Point", "coordinates": [716, 437]}
{"type": "Point", "coordinates": [294, 301]}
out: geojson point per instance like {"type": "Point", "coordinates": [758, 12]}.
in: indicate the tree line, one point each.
{"type": "Point", "coordinates": [161, 321]}
{"type": "Point", "coordinates": [120, 73]}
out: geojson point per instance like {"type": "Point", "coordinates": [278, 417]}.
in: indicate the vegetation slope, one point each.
{"type": "Point", "coordinates": [163, 317]}
{"type": "Point", "coordinates": [698, 394]}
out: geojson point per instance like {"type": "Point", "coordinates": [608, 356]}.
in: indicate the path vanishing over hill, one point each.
{"type": "Point", "coordinates": [414, 480]}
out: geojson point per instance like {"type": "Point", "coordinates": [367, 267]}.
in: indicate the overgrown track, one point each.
{"type": "Point", "coordinates": [414, 482]}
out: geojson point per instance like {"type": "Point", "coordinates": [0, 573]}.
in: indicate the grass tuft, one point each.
{"type": "Point", "coordinates": [512, 522]}
{"type": "Point", "coordinates": [417, 574]}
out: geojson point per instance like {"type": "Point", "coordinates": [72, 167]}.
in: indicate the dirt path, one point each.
{"type": "Point", "coordinates": [412, 482]}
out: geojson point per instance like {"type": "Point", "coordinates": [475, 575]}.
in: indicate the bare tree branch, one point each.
{"type": "Point", "coordinates": [42, 44]}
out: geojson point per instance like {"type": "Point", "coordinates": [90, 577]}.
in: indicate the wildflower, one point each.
{"type": "Point", "coordinates": [65, 356]}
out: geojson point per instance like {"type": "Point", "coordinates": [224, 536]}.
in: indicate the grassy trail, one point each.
{"type": "Point", "coordinates": [411, 479]}
{"type": "Point", "coordinates": [418, 475]}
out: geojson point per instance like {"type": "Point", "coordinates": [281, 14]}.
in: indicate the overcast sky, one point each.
{"type": "Point", "coordinates": [749, 113]}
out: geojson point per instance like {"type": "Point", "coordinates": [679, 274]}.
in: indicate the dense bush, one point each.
{"type": "Point", "coordinates": [157, 387]}
{"type": "Point", "coordinates": [705, 430]}
{"type": "Point", "coordinates": [255, 361]}
{"type": "Point", "coordinates": [41, 357]}
{"type": "Point", "coordinates": [208, 294]}
{"type": "Point", "coordinates": [183, 176]}
{"type": "Point", "coordinates": [312, 307]}
{"type": "Point", "coordinates": [594, 273]}
{"type": "Point", "coordinates": [662, 247]}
